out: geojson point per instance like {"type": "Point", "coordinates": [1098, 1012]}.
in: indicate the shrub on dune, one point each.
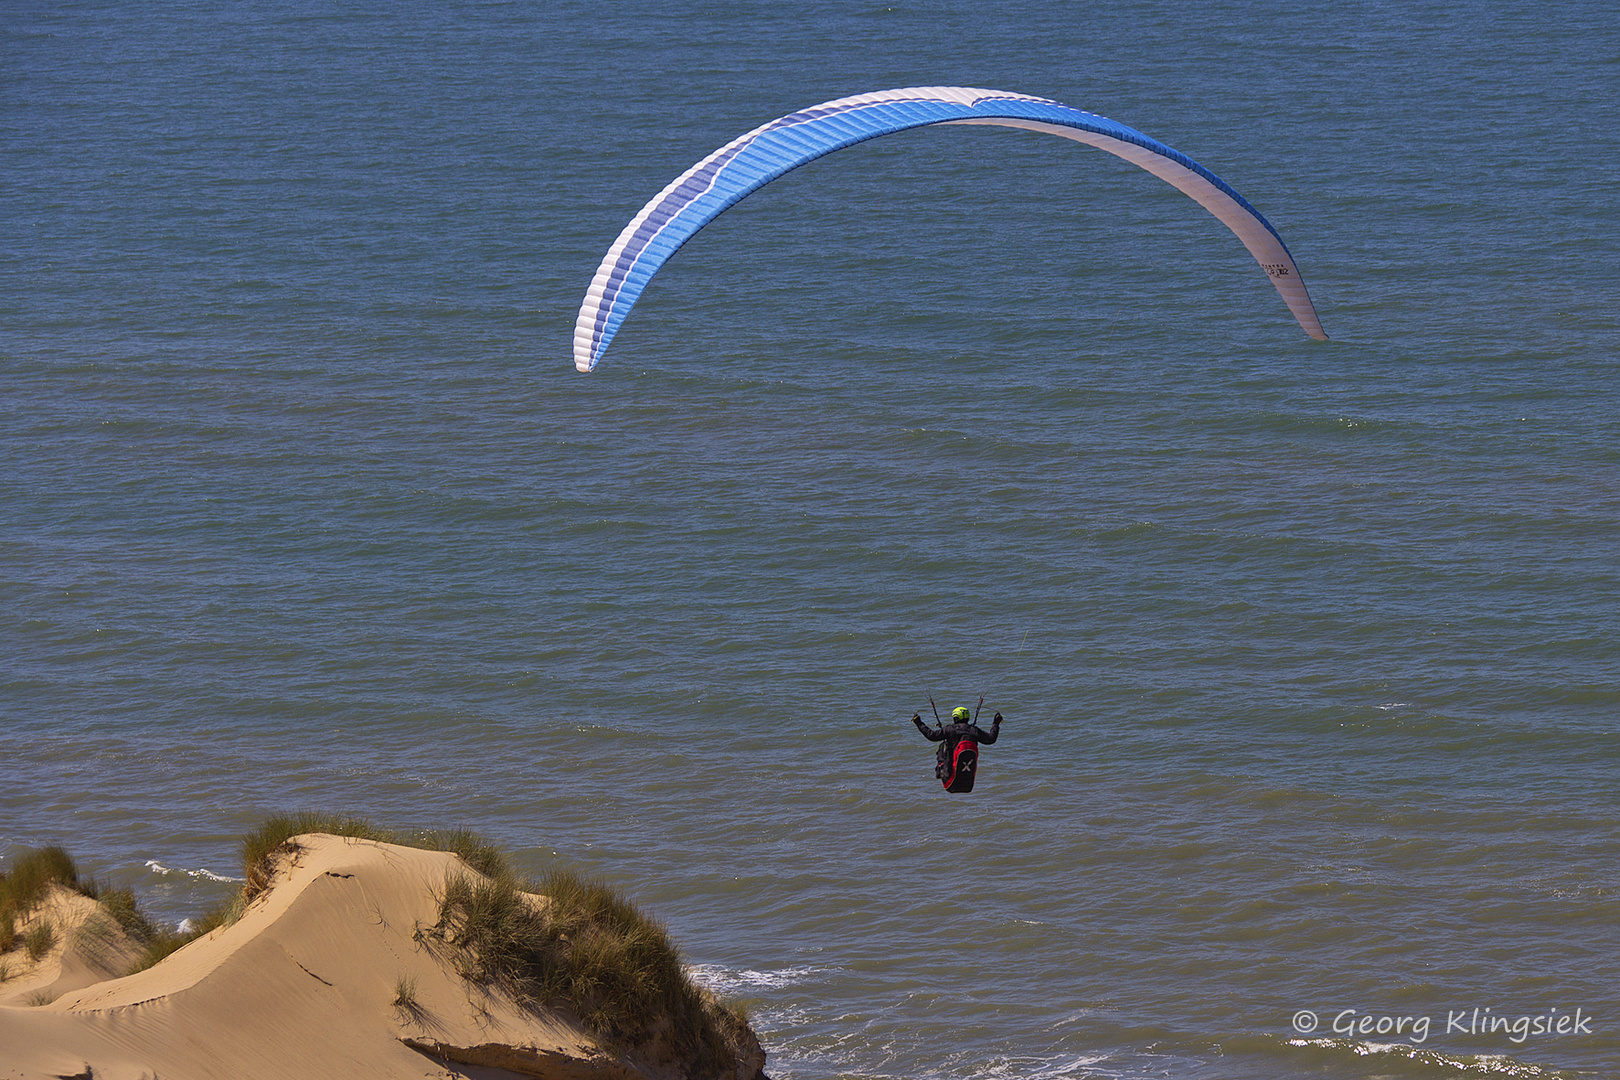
{"type": "Point", "coordinates": [31, 876]}
{"type": "Point", "coordinates": [24, 887]}
{"type": "Point", "coordinates": [120, 904]}
{"type": "Point", "coordinates": [39, 939]}
{"type": "Point", "coordinates": [473, 850]}
{"type": "Point", "coordinates": [164, 942]}
{"type": "Point", "coordinates": [571, 943]}
{"type": "Point", "coordinates": [261, 850]}
{"type": "Point", "coordinates": [261, 846]}
{"type": "Point", "coordinates": [558, 942]}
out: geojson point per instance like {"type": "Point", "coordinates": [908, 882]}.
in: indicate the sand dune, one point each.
{"type": "Point", "coordinates": [307, 983]}
{"type": "Point", "coordinates": [90, 948]}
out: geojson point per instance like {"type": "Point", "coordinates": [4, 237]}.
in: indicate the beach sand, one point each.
{"type": "Point", "coordinates": [307, 983]}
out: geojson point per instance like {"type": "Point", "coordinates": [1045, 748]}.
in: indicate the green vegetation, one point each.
{"type": "Point", "coordinates": [575, 944]}
{"type": "Point", "coordinates": [260, 847]}
{"type": "Point", "coordinates": [405, 999]}
{"type": "Point", "coordinates": [561, 941]}
{"type": "Point", "coordinates": [39, 939]}
{"type": "Point", "coordinates": [24, 887]}
{"type": "Point", "coordinates": [120, 904]}
{"type": "Point", "coordinates": [31, 876]}
{"type": "Point", "coordinates": [163, 942]}
{"type": "Point", "coordinates": [33, 872]}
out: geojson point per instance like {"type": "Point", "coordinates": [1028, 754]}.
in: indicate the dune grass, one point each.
{"type": "Point", "coordinates": [405, 1003]}
{"type": "Point", "coordinates": [163, 942]}
{"type": "Point", "coordinates": [259, 852]}
{"type": "Point", "coordinates": [33, 872]}
{"type": "Point", "coordinates": [582, 947]}
{"type": "Point", "coordinates": [564, 941]}
{"type": "Point", "coordinates": [25, 886]}
{"type": "Point", "coordinates": [121, 905]}
{"type": "Point", "coordinates": [561, 941]}
{"type": "Point", "coordinates": [31, 876]}
{"type": "Point", "coordinates": [262, 848]}
{"type": "Point", "coordinates": [39, 939]}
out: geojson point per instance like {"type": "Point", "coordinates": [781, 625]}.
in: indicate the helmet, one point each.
{"type": "Point", "coordinates": [961, 715]}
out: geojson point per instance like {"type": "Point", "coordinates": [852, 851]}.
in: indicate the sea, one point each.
{"type": "Point", "coordinates": [1308, 652]}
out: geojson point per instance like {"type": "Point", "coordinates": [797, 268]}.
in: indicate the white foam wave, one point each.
{"type": "Point", "coordinates": [723, 980]}
{"type": "Point", "coordinates": [1498, 1065]}
{"type": "Point", "coordinates": [1066, 1067]}
{"type": "Point", "coordinates": [206, 875]}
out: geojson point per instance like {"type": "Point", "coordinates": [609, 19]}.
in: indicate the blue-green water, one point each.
{"type": "Point", "coordinates": [1308, 651]}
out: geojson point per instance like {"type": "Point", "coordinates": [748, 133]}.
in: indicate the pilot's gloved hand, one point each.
{"type": "Point", "coordinates": [998, 718]}
{"type": "Point", "coordinates": [916, 718]}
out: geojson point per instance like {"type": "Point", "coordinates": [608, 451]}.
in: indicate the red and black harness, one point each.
{"type": "Point", "coordinates": [962, 767]}
{"type": "Point", "coordinates": [957, 763]}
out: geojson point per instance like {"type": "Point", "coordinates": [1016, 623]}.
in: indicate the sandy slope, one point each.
{"type": "Point", "coordinates": [90, 947]}
{"type": "Point", "coordinates": [303, 985]}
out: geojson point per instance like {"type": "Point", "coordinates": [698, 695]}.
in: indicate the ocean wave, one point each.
{"type": "Point", "coordinates": [1421, 1062]}
{"type": "Point", "coordinates": [206, 875]}
{"type": "Point", "coordinates": [1063, 1067]}
{"type": "Point", "coordinates": [724, 980]}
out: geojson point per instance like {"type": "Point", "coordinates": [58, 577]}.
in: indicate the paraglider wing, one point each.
{"type": "Point", "coordinates": [751, 161]}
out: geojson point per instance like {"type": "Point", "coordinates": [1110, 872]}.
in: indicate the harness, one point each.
{"type": "Point", "coordinates": [958, 774]}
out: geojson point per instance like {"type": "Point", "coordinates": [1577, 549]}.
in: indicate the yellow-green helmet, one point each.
{"type": "Point", "coordinates": [961, 715]}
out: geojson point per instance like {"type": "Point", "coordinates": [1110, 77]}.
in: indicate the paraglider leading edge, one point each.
{"type": "Point", "coordinates": [753, 160]}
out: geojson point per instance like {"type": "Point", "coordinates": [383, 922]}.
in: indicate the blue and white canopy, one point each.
{"type": "Point", "coordinates": [751, 161]}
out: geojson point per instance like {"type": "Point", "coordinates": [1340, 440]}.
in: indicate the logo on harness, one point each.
{"type": "Point", "coordinates": [964, 765]}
